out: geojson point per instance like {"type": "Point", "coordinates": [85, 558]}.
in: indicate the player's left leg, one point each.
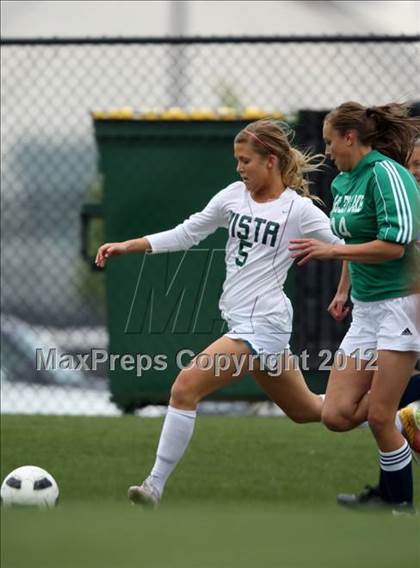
{"type": "Point", "coordinates": [290, 392]}
{"type": "Point", "coordinates": [398, 346]}
{"type": "Point", "coordinates": [390, 380]}
{"type": "Point", "coordinates": [408, 422]}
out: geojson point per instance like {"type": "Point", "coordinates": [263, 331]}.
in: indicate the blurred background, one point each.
{"type": "Point", "coordinates": [77, 76]}
{"type": "Point", "coordinates": [156, 18]}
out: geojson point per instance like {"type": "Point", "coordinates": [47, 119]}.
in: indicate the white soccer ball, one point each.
{"type": "Point", "coordinates": [29, 485]}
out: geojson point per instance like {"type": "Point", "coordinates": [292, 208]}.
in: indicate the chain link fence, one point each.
{"type": "Point", "coordinates": [50, 296]}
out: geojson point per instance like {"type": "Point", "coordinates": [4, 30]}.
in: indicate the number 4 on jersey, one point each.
{"type": "Point", "coordinates": [342, 228]}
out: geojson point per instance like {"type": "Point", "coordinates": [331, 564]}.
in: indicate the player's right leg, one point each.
{"type": "Point", "coordinates": [409, 417]}
{"type": "Point", "coordinates": [223, 362]}
{"type": "Point", "coordinates": [346, 398]}
{"type": "Point", "coordinates": [395, 482]}
{"type": "Point", "coordinates": [346, 401]}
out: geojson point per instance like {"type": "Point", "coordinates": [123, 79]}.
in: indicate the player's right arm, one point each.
{"type": "Point", "coordinates": [182, 237]}
{"type": "Point", "coordinates": [116, 249]}
{"type": "Point", "coordinates": [337, 308]}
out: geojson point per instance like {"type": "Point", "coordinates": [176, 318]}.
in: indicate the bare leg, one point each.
{"type": "Point", "coordinates": [221, 363]}
{"type": "Point", "coordinates": [389, 383]}
{"type": "Point", "coordinates": [200, 379]}
{"type": "Point", "coordinates": [290, 392]}
{"type": "Point", "coordinates": [346, 400]}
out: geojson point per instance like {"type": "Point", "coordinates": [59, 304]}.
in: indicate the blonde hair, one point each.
{"type": "Point", "coordinates": [267, 137]}
{"type": "Point", "coordinates": [389, 128]}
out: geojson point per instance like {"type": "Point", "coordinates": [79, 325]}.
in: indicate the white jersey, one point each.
{"type": "Point", "coordinates": [257, 255]}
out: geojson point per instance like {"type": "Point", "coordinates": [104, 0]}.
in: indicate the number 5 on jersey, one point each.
{"type": "Point", "coordinates": [242, 252]}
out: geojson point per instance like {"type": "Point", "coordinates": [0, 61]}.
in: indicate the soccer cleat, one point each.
{"type": "Point", "coordinates": [145, 494]}
{"type": "Point", "coordinates": [404, 510]}
{"type": "Point", "coordinates": [410, 420]}
{"type": "Point", "coordinates": [369, 497]}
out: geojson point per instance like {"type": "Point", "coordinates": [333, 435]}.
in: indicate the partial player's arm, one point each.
{"type": "Point", "coordinates": [373, 252]}
{"type": "Point", "coordinates": [337, 308]}
{"type": "Point", "coordinates": [193, 230]}
{"type": "Point", "coordinates": [189, 233]}
{"type": "Point", "coordinates": [397, 203]}
{"type": "Point", "coordinates": [396, 200]}
{"type": "Point", "coordinates": [115, 249]}
{"type": "Point", "coordinates": [315, 224]}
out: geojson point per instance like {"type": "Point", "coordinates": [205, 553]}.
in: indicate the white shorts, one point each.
{"type": "Point", "coordinates": [269, 335]}
{"type": "Point", "coordinates": [386, 324]}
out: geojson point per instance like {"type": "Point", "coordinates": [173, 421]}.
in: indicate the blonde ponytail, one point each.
{"type": "Point", "coordinates": [301, 164]}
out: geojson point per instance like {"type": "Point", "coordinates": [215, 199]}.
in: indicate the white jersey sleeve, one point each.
{"type": "Point", "coordinates": [193, 230]}
{"type": "Point", "coordinates": [315, 224]}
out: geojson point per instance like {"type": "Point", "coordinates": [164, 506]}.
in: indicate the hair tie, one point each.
{"type": "Point", "coordinates": [255, 137]}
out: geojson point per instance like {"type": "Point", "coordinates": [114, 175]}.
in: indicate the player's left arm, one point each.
{"type": "Point", "coordinates": [396, 201]}
{"type": "Point", "coordinates": [321, 243]}
{"type": "Point", "coordinates": [373, 252]}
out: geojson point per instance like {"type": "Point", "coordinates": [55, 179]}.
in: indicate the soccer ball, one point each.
{"type": "Point", "coordinates": [29, 485]}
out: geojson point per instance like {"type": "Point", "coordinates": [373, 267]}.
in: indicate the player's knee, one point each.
{"type": "Point", "coordinates": [183, 394]}
{"type": "Point", "coordinates": [379, 419]}
{"type": "Point", "coordinates": [336, 421]}
{"type": "Point", "coordinates": [302, 417]}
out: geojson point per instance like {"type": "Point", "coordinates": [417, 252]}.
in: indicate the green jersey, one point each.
{"type": "Point", "coordinates": [378, 200]}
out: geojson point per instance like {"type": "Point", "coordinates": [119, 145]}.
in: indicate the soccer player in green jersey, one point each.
{"type": "Point", "coordinates": [376, 211]}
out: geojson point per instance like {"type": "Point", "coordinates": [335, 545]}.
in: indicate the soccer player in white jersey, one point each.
{"type": "Point", "coordinates": [261, 214]}
{"type": "Point", "coordinates": [376, 210]}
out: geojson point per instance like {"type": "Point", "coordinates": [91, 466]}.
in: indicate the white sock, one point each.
{"type": "Point", "coordinates": [398, 423]}
{"type": "Point", "coordinates": [174, 439]}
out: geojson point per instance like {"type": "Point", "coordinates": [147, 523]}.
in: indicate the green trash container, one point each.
{"type": "Point", "coordinates": [160, 307]}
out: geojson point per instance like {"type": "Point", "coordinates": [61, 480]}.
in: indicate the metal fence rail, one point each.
{"type": "Point", "coordinates": [49, 88]}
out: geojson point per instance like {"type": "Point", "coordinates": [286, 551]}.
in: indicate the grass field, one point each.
{"type": "Point", "coordinates": [249, 492]}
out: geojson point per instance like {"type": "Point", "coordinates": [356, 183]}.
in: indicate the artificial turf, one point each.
{"type": "Point", "coordinates": [250, 491]}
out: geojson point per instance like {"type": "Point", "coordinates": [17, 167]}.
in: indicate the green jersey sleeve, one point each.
{"type": "Point", "coordinates": [397, 203]}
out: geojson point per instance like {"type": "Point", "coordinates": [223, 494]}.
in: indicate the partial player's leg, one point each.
{"type": "Point", "coordinates": [396, 359]}
{"type": "Point", "coordinates": [346, 398]}
{"type": "Point", "coordinates": [409, 421]}
{"type": "Point", "coordinates": [345, 405]}
{"type": "Point", "coordinates": [390, 381]}
{"type": "Point", "coordinates": [223, 362]}
{"type": "Point", "coordinates": [290, 392]}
